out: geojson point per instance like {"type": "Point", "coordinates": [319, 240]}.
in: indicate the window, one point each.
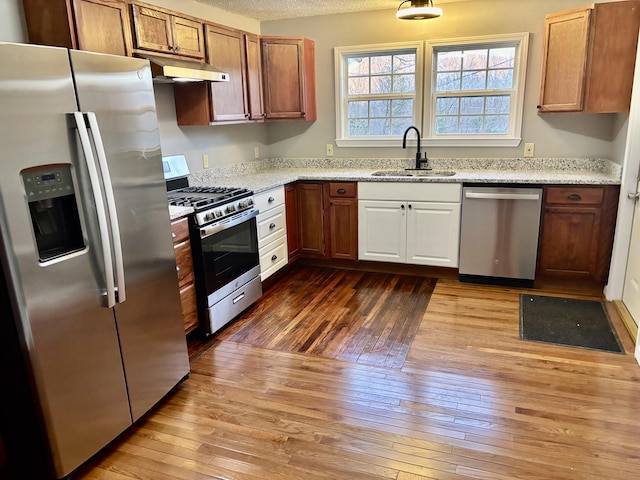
{"type": "Point", "coordinates": [378, 93]}
{"type": "Point", "coordinates": [475, 94]}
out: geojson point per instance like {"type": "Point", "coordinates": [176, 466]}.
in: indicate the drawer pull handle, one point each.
{"type": "Point", "coordinates": [574, 196]}
{"type": "Point", "coordinates": [173, 235]}
{"type": "Point", "coordinates": [177, 269]}
{"type": "Point", "coordinates": [272, 226]}
{"type": "Point", "coordinates": [271, 200]}
{"type": "Point", "coordinates": [274, 258]}
{"type": "Point", "coordinates": [238, 298]}
{"type": "Point", "coordinates": [342, 191]}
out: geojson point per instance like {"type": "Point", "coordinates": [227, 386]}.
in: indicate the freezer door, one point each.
{"type": "Point", "coordinates": [119, 91]}
{"type": "Point", "coordinates": [70, 339]}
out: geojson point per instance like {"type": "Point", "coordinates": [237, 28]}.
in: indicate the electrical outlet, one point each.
{"type": "Point", "coordinates": [528, 150]}
{"type": "Point", "coordinates": [256, 152]}
{"type": "Point", "coordinates": [329, 149]}
{"type": "Point", "coordinates": [205, 160]}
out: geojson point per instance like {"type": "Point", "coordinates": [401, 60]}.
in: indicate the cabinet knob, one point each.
{"type": "Point", "coordinates": [402, 206]}
{"type": "Point", "coordinates": [274, 258]}
{"type": "Point", "coordinates": [177, 269]}
{"type": "Point", "coordinates": [574, 196]}
{"type": "Point", "coordinates": [176, 48]}
{"type": "Point", "coordinates": [247, 115]}
{"type": "Point", "coordinates": [342, 191]}
{"type": "Point", "coordinates": [264, 115]}
{"type": "Point", "coordinates": [331, 204]}
{"type": "Point", "coordinates": [410, 207]}
{"type": "Point", "coordinates": [272, 226]}
{"type": "Point", "coordinates": [173, 235]}
{"type": "Point", "coordinates": [539, 107]}
{"type": "Point", "coordinates": [302, 114]}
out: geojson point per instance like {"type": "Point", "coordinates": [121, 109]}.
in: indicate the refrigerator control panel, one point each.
{"type": "Point", "coordinates": [49, 182]}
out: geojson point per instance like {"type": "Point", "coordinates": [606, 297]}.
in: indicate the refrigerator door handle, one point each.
{"type": "Point", "coordinates": [103, 224]}
{"type": "Point", "coordinates": [111, 206]}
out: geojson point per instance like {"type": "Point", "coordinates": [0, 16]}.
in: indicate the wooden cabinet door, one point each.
{"type": "Point", "coordinates": [288, 67]}
{"type": "Point", "coordinates": [343, 219]}
{"type": "Point", "coordinates": [382, 230]}
{"type": "Point", "coordinates": [254, 77]}
{"type": "Point", "coordinates": [152, 29]}
{"type": "Point", "coordinates": [188, 39]}
{"type": "Point", "coordinates": [569, 241]}
{"type": "Point", "coordinates": [291, 209]}
{"type": "Point", "coordinates": [225, 51]}
{"type": "Point", "coordinates": [310, 219]}
{"type": "Point", "coordinates": [189, 307]}
{"type": "Point", "coordinates": [103, 26]}
{"type": "Point", "coordinates": [564, 62]}
{"type": "Point", "coordinates": [433, 233]}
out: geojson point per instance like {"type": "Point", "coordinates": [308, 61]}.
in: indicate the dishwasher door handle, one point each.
{"type": "Point", "coordinates": [502, 196]}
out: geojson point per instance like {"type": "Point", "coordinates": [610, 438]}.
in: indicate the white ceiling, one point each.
{"type": "Point", "coordinates": [278, 9]}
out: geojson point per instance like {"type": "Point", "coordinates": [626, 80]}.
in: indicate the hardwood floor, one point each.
{"type": "Point", "coordinates": [470, 401]}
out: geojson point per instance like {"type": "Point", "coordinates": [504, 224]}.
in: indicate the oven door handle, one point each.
{"type": "Point", "coordinates": [230, 222]}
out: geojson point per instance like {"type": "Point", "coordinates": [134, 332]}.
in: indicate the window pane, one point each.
{"type": "Point", "coordinates": [358, 66]}
{"type": "Point", "coordinates": [358, 109]}
{"type": "Point", "coordinates": [358, 86]}
{"type": "Point", "coordinates": [502, 79]}
{"type": "Point", "coordinates": [380, 126]}
{"type": "Point", "coordinates": [447, 106]}
{"type": "Point", "coordinates": [404, 63]}
{"type": "Point", "coordinates": [448, 81]}
{"type": "Point", "coordinates": [399, 125]}
{"type": "Point", "coordinates": [498, 124]}
{"type": "Point", "coordinates": [498, 104]}
{"type": "Point", "coordinates": [449, 61]}
{"type": "Point", "coordinates": [474, 59]}
{"type": "Point", "coordinates": [404, 83]}
{"type": "Point", "coordinates": [472, 105]}
{"type": "Point", "coordinates": [380, 108]}
{"type": "Point", "coordinates": [446, 125]}
{"type": "Point", "coordinates": [381, 84]}
{"type": "Point", "coordinates": [502, 57]}
{"type": "Point", "coordinates": [358, 128]}
{"type": "Point", "coordinates": [402, 108]}
{"type": "Point", "coordinates": [471, 124]}
{"type": "Point", "coordinates": [380, 64]}
{"type": "Point", "coordinates": [474, 80]}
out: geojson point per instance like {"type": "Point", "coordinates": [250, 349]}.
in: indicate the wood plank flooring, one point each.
{"type": "Point", "coordinates": [470, 401]}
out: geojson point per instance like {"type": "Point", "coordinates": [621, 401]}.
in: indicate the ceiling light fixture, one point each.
{"type": "Point", "coordinates": [418, 10]}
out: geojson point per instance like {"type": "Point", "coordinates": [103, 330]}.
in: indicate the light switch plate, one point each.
{"type": "Point", "coordinates": [205, 160]}
{"type": "Point", "coordinates": [329, 149]}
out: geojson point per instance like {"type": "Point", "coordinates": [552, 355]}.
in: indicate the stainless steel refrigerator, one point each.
{"type": "Point", "coordinates": [86, 253]}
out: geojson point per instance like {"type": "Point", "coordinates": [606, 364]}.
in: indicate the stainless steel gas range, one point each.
{"type": "Point", "coordinates": [224, 244]}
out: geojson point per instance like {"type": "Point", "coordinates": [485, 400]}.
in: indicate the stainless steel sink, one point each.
{"type": "Point", "coordinates": [413, 173]}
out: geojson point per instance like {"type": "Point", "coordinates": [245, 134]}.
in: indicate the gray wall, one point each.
{"type": "Point", "coordinates": [554, 135]}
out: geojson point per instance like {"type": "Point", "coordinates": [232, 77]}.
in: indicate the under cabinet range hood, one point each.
{"type": "Point", "coordinates": [170, 70]}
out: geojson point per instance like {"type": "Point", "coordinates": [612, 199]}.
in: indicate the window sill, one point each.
{"type": "Point", "coordinates": [430, 142]}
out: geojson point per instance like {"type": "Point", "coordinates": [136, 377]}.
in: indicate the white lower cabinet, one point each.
{"type": "Point", "coordinates": [409, 223]}
{"type": "Point", "coordinates": [272, 231]}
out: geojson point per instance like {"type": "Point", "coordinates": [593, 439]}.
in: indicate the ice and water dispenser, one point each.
{"type": "Point", "coordinates": [54, 211]}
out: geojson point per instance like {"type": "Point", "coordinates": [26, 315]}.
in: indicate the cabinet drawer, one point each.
{"type": "Point", "coordinates": [184, 263]}
{"type": "Point", "coordinates": [273, 257]}
{"type": "Point", "coordinates": [575, 195]}
{"type": "Point", "coordinates": [271, 225]}
{"type": "Point", "coordinates": [180, 230]}
{"type": "Point", "coordinates": [269, 199]}
{"type": "Point", "coordinates": [343, 189]}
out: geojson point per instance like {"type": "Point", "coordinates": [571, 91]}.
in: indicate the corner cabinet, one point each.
{"type": "Point", "coordinates": [240, 99]}
{"type": "Point", "coordinates": [417, 223]}
{"type": "Point", "coordinates": [102, 26]}
{"type": "Point", "coordinates": [589, 58]}
{"type": "Point", "coordinates": [158, 30]}
{"type": "Point", "coordinates": [184, 268]}
{"type": "Point", "coordinates": [288, 69]}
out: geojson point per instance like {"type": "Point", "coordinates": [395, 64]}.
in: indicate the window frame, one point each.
{"type": "Point", "coordinates": [513, 137]}
{"type": "Point", "coordinates": [341, 54]}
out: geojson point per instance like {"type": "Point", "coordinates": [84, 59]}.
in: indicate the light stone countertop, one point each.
{"type": "Point", "coordinates": [177, 212]}
{"type": "Point", "coordinates": [264, 175]}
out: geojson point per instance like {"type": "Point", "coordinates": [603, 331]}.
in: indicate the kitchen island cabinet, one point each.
{"type": "Point", "coordinates": [409, 223]}
{"type": "Point", "coordinates": [576, 233]}
{"type": "Point", "coordinates": [589, 58]}
{"type": "Point", "coordinates": [184, 268]}
{"type": "Point", "coordinates": [101, 26]}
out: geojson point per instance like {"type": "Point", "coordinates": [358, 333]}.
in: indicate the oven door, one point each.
{"type": "Point", "coordinates": [228, 251]}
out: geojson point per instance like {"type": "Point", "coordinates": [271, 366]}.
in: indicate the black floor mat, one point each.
{"type": "Point", "coordinates": [567, 321]}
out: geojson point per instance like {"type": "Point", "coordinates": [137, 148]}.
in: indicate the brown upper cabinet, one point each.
{"type": "Point", "coordinates": [589, 58]}
{"type": "Point", "coordinates": [158, 30]}
{"type": "Point", "coordinates": [240, 100]}
{"type": "Point", "coordinates": [288, 68]}
{"type": "Point", "coordinates": [94, 25]}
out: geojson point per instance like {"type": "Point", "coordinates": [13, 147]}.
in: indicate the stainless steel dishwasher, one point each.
{"type": "Point", "coordinates": [499, 234]}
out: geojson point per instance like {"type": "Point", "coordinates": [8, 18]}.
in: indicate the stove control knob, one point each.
{"type": "Point", "coordinates": [219, 213]}
{"type": "Point", "coordinates": [208, 217]}
{"type": "Point", "coordinates": [249, 201]}
{"type": "Point", "coordinates": [230, 209]}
